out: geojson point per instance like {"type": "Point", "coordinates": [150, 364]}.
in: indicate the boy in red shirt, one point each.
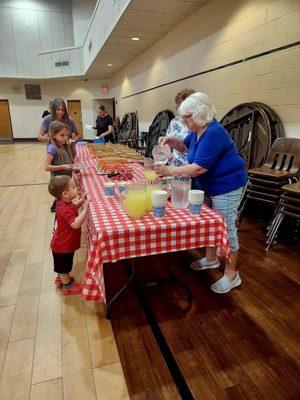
{"type": "Point", "coordinates": [66, 238]}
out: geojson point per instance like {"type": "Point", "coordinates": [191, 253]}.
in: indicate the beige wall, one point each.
{"type": "Point", "coordinates": [221, 31]}
{"type": "Point", "coordinates": [26, 114]}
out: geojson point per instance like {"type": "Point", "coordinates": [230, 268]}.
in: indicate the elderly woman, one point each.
{"type": "Point", "coordinates": [218, 170]}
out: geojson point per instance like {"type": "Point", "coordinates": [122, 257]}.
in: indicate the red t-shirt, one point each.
{"type": "Point", "coordinates": [65, 239]}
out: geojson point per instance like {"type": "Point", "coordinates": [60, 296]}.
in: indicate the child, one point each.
{"type": "Point", "coordinates": [66, 238]}
{"type": "Point", "coordinates": [59, 159]}
{"type": "Point", "coordinates": [58, 154]}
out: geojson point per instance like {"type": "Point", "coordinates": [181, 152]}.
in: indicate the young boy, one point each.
{"type": "Point", "coordinates": [66, 238]}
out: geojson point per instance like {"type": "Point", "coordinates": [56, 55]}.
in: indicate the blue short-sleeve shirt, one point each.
{"type": "Point", "coordinates": [215, 151]}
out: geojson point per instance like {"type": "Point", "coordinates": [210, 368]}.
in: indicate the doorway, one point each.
{"type": "Point", "coordinates": [74, 109]}
{"type": "Point", "coordinates": [6, 132]}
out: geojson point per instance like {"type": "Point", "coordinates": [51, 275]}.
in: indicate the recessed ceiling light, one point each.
{"type": "Point", "coordinates": [109, 65]}
{"type": "Point", "coordinates": [135, 38]}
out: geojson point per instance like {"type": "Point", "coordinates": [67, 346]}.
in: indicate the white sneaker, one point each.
{"type": "Point", "coordinates": [224, 285]}
{"type": "Point", "coordinates": [203, 264]}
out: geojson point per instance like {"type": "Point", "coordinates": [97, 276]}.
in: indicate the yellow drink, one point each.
{"type": "Point", "coordinates": [135, 203]}
{"type": "Point", "coordinates": [149, 190]}
{"type": "Point", "coordinates": [150, 175]}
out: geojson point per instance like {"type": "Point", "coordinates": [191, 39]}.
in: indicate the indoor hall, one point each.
{"type": "Point", "coordinates": [119, 99]}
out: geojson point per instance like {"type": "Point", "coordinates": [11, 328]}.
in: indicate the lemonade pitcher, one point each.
{"type": "Point", "coordinates": [149, 173]}
{"type": "Point", "coordinates": [135, 200]}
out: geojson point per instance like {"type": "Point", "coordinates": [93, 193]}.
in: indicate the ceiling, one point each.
{"type": "Point", "coordinates": [148, 20]}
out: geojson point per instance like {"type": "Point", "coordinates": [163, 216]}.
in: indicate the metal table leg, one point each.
{"type": "Point", "coordinates": [119, 292]}
{"type": "Point", "coordinates": [133, 282]}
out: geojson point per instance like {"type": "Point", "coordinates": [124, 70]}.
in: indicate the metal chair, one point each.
{"type": "Point", "coordinates": [289, 206]}
{"type": "Point", "coordinates": [265, 183]}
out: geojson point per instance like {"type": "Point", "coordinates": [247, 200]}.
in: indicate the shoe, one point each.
{"type": "Point", "coordinates": [58, 281]}
{"type": "Point", "coordinates": [224, 285]}
{"type": "Point", "coordinates": [75, 289]}
{"type": "Point", "coordinates": [201, 265]}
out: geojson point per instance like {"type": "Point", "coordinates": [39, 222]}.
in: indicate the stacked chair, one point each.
{"type": "Point", "coordinates": [128, 130]}
{"type": "Point", "coordinates": [158, 128]}
{"type": "Point", "coordinates": [266, 183]}
{"type": "Point", "coordinates": [289, 206]}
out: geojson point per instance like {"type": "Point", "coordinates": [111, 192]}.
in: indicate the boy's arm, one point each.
{"type": "Point", "coordinates": [81, 217]}
{"type": "Point", "coordinates": [79, 202]}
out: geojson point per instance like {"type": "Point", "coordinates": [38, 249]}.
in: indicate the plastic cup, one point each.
{"type": "Point", "coordinates": [122, 188]}
{"type": "Point", "coordinates": [99, 140]}
{"type": "Point", "coordinates": [195, 198]}
{"type": "Point", "coordinates": [109, 189]}
{"type": "Point", "coordinates": [159, 200]}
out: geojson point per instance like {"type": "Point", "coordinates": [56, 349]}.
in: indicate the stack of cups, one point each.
{"type": "Point", "coordinates": [122, 188]}
{"type": "Point", "coordinates": [195, 201]}
{"type": "Point", "coordinates": [109, 189]}
{"type": "Point", "coordinates": [159, 201]}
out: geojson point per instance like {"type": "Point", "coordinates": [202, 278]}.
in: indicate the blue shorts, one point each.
{"type": "Point", "coordinates": [227, 205]}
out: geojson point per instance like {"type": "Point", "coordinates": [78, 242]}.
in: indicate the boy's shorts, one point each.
{"type": "Point", "coordinates": [63, 262]}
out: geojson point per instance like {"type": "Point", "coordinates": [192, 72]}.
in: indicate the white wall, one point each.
{"type": "Point", "coordinates": [71, 54]}
{"type": "Point", "coordinates": [221, 32]}
{"type": "Point", "coordinates": [26, 114]}
{"type": "Point", "coordinates": [106, 16]}
{"type": "Point", "coordinates": [30, 27]}
{"type": "Point", "coordinates": [81, 14]}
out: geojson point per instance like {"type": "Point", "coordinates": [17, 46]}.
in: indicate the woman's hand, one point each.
{"type": "Point", "coordinates": [164, 140]}
{"type": "Point", "coordinates": [161, 169]}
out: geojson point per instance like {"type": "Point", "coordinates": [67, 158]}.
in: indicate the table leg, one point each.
{"type": "Point", "coordinates": [172, 278]}
{"type": "Point", "coordinates": [119, 292]}
{"type": "Point", "coordinates": [132, 282]}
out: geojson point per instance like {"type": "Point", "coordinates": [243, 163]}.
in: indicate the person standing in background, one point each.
{"type": "Point", "coordinates": [47, 112]}
{"type": "Point", "coordinates": [58, 112]}
{"type": "Point", "coordinates": [104, 124]}
{"type": "Point", "coordinates": [179, 130]}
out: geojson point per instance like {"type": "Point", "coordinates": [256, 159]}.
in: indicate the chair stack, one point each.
{"type": "Point", "coordinates": [266, 183]}
{"type": "Point", "coordinates": [289, 206]}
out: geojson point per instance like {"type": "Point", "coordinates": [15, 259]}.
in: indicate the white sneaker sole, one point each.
{"type": "Point", "coordinates": [227, 290]}
{"type": "Point", "coordinates": [197, 267]}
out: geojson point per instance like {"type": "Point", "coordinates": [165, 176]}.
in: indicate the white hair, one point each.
{"type": "Point", "coordinates": [199, 105]}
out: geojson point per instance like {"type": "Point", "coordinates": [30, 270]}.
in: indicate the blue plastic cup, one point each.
{"type": "Point", "coordinates": [159, 211]}
{"type": "Point", "coordinates": [99, 140]}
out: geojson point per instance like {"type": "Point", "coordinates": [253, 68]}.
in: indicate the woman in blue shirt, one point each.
{"type": "Point", "coordinates": [218, 170]}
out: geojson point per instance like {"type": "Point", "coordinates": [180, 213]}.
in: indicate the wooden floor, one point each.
{"type": "Point", "coordinates": [243, 345]}
{"type": "Point", "coordinates": [51, 347]}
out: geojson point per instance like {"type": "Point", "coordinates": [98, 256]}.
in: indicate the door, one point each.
{"type": "Point", "coordinates": [5, 121]}
{"type": "Point", "coordinates": [74, 109]}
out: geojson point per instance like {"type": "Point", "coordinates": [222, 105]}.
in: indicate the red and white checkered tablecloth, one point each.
{"type": "Point", "coordinates": [113, 236]}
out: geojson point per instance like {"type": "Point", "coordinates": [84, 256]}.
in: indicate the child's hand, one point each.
{"type": "Point", "coordinates": [67, 166]}
{"type": "Point", "coordinates": [86, 203]}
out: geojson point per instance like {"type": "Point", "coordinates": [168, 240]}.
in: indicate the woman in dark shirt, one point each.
{"type": "Point", "coordinates": [104, 124]}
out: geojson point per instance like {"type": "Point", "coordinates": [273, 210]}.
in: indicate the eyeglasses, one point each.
{"type": "Point", "coordinates": [185, 117]}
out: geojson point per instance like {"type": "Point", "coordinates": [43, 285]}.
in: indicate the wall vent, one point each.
{"type": "Point", "coordinates": [61, 63]}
